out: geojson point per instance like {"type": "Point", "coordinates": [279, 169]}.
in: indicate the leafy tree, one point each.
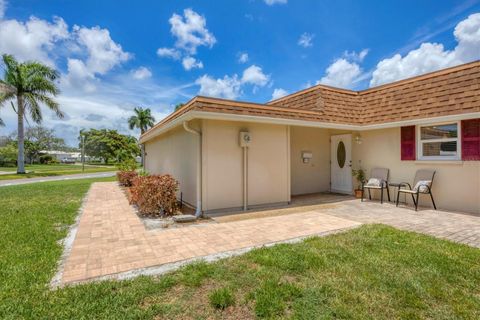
{"type": "Point", "coordinates": [8, 154]}
{"type": "Point", "coordinates": [178, 106]}
{"type": "Point", "coordinates": [31, 84]}
{"type": "Point", "coordinates": [45, 137]}
{"type": "Point", "coordinates": [142, 120]}
{"type": "Point", "coordinates": [32, 150]}
{"type": "Point", "coordinates": [109, 144]}
{"type": "Point", "coordinates": [39, 138]}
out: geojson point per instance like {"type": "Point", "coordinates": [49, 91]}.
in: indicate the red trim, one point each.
{"type": "Point", "coordinates": [471, 140]}
{"type": "Point", "coordinates": [407, 143]}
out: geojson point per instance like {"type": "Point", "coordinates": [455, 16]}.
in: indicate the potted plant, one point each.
{"type": "Point", "coordinates": [359, 174]}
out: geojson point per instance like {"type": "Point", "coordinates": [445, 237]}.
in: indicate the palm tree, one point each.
{"type": "Point", "coordinates": [31, 84]}
{"type": "Point", "coordinates": [142, 120]}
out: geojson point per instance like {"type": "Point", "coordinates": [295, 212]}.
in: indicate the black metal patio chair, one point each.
{"type": "Point", "coordinates": [378, 181]}
{"type": "Point", "coordinates": [422, 184]}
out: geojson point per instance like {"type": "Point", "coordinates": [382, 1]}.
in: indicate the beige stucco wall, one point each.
{"type": "Point", "coordinates": [456, 185]}
{"type": "Point", "coordinates": [313, 176]}
{"type": "Point", "coordinates": [175, 153]}
{"type": "Point", "coordinates": [222, 164]}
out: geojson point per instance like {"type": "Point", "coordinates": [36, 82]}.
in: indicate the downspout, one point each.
{"type": "Point", "coordinates": [198, 212]}
{"type": "Point", "coordinates": [245, 178]}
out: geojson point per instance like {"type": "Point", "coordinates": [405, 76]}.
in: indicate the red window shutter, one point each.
{"type": "Point", "coordinates": [407, 144]}
{"type": "Point", "coordinates": [471, 139]}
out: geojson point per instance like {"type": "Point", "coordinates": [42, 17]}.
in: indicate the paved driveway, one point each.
{"type": "Point", "coordinates": [112, 240]}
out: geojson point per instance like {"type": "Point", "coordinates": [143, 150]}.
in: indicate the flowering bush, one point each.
{"type": "Point", "coordinates": [155, 194]}
{"type": "Point", "coordinates": [125, 178]}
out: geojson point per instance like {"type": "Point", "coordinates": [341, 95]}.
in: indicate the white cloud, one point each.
{"type": "Point", "coordinates": [100, 55]}
{"type": "Point", "coordinates": [341, 73]}
{"type": "Point", "coordinates": [254, 75]}
{"type": "Point", "coordinates": [278, 93]}
{"type": "Point", "coordinates": [191, 63]}
{"type": "Point", "coordinates": [141, 73]}
{"type": "Point", "coordinates": [3, 8]}
{"type": "Point", "coordinates": [356, 56]}
{"type": "Point", "coordinates": [85, 57]}
{"type": "Point", "coordinates": [230, 87]}
{"type": "Point", "coordinates": [345, 72]}
{"type": "Point", "coordinates": [103, 53]}
{"type": "Point", "coordinates": [191, 31]}
{"type": "Point", "coordinates": [169, 53]}
{"type": "Point", "coordinates": [107, 107]}
{"type": "Point", "coordinates": [306, 40]}
{"type": "Point", "coordinates": [79, 75]}
{"type": "Point", "coordinates": [242, 57]}
{"type": "Point", "coordinates": [432, 56]}
{"type": "Point", "coordinates": [32, 40]}
{"type": "Point", "coordinates": [273, 2]}
{"type": "Point", "coordinates": [226, 87]}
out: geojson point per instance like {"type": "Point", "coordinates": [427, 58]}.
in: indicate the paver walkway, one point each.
{"type": "Point", "coordinates": [112, 239]}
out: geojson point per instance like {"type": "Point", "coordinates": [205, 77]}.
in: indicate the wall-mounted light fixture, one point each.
{"type": "Point", "coordinates": [358, 139]}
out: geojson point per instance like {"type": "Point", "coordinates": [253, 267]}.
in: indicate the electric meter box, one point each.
{"type": "Point", "coordinates": [245, 139]}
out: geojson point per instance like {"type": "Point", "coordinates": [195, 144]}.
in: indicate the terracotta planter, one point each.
{"type": "Point", "coordinates": [358, 193]}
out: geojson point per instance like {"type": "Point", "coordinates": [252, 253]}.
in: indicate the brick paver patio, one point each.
{"type": "Point", "coordinates": [456, 227]}
{"type": "Point", "coordinates": [111, 239]}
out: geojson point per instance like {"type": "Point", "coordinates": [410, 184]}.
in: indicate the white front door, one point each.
{"type": "Point", "coordinates": [341, 163]}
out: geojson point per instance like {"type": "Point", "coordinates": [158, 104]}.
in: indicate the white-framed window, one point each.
{"type": "Point", "coordinates": [439, 141]}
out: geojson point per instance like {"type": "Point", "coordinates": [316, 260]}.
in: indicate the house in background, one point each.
{"type": "Point", "coordinates": [230, 154]}
{"type": "Point", "coordinates": [63, 156]}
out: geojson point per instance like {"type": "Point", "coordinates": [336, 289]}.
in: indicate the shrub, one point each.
{"type": "Point", "coordinates": [8, 156]}
{"type": "Point", "coordinates": [46, 159]}
{"type": "Point", "coordinates": [127, 165]}
{"type": "Point", "coordinates": [221, 298]}
{"type": "Point", "coordinates": [125, 178]}
{"type": "Point", "coordinates": [155, 194]}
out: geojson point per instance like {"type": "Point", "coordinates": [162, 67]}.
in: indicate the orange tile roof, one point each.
{"type": "Point", "coordinates": [445, 92]}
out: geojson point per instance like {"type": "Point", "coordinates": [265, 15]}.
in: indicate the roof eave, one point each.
{"type": "Point", "coordinates": [190, 115]}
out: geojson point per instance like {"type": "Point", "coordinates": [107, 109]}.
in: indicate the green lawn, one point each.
{"type": "Point", "coordinates": [46, 170]}
{"type": "Point", "coordinates": [373, 272]}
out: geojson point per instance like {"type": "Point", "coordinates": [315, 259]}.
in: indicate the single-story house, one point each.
{"type": "Point", "coordinates": [61, 155]}
{"type": "Point", "coordinates": [232, 155]}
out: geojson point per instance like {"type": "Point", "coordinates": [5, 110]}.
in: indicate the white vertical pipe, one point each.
{"type": "Point", "coordinates": [198, 212]}
{"type": "Point", "coordinates": [245, 178]}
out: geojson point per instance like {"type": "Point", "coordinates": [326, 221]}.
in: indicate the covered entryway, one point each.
{"type": "Point", "coordinates": [341, 163]}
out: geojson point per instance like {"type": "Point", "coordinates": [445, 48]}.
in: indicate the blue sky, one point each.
{"type": "Point", "coordinates": [115, 55]}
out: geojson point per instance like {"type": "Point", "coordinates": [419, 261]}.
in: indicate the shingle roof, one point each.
{"type": "Point", "coordinates": [449, 91]}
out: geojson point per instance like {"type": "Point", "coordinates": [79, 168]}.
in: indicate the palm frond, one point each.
{"type": "Point", "coordinates": [4, 97]}
{"type": "Point", "coordinates": [31, 104]}
{"type": "Point", "coordinates": [37, 69]}
{"type": "Point", "coordinates": [133, 122]}
{"type": "Point", "coordinates": [41, 85]}
{"type": "Point", "coordinates": [35, 82]}
{"type": "Point", "coordinates": [50, 103]}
